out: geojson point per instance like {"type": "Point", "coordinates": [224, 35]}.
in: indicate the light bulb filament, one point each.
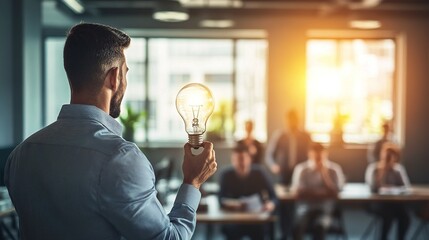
{"type": "Point", "coordinates": [195, 124]}
{"type": "Point", "coordinates": [196, 108]}
{"type": "Point", "coordinates": [195, 113]}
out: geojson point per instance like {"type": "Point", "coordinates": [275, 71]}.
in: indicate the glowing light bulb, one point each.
{"type": "Point", "coordinates": [195, 104]}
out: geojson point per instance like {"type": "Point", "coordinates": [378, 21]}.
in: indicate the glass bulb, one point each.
{"type": "Point", "coordinates": [195, 104]}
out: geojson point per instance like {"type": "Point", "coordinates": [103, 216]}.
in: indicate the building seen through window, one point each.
{"type": "Point", "coordinates": [350, 86]}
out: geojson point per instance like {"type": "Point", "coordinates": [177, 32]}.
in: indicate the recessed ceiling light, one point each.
{"type": "Point", "coordinates": [170, 16]}
{"type": "Point", "coordinates": [211, 23]}
{"type": "Point", "coordinates": [170, 11]}
{"type": "Point", "coordinates": [365, 24]}
{"type": "Point", "coordinates": [75, 6]}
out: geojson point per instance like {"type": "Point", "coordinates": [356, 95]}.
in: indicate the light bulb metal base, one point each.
{"type": "Point", "coordinates": [196, 140]}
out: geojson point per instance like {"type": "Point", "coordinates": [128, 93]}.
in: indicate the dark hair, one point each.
{"type": "Point", "coordinates": [89, 49]}
{"type": "Point", "coordinates": [317, 147]}
{"type": "Point", "coordinates": [240, 148]}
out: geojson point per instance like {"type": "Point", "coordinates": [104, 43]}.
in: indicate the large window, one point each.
{"type": "Point", "coordinates": [350, 85]}
{"type": "Point", "coordinates": [234, 70]}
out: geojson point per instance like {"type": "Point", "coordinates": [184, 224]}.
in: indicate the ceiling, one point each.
{"type": "Point", "coordinates": [258, 7]}
{"type": "Point", "coordinates": [244, 13]}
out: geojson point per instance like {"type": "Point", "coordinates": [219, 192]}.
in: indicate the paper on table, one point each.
{"type": "Point", "coordinates": [232, 202]}
{"type": "Point", "coordinates": [393, 190]}
{"type": "Point", "coordinates": [252, 203]}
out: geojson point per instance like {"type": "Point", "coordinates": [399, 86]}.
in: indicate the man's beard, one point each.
{"type": "Point", "coordinates": [115, 102]}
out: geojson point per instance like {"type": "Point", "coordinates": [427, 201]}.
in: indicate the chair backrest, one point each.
{"type": "Point", "coordinates": [4, 154]}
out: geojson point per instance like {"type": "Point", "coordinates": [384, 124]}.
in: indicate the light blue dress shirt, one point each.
{"type": "Point", "coordinates": [78, 179]}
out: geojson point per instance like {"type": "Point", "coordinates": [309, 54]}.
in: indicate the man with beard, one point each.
{"type": "Point", "coordinates": [78, 178]}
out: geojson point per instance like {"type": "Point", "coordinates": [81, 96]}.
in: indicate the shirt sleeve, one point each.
{"type": "Point", "coordinates": [403, 175]}
{"type": "Point", "coordinates": [370, 154]}
{"type": "Point", "coordinates": [297, 178]}
{"type": "Point", "coordinates": [223, 188]}
{"type": "Point", "coordinates": [271, 148]}
{"type": "Point", "coordinates": [268, 184]}
{"type": "Point", "coordinates": [339, 179]}
{"type": "Point", "coordinates": [127, 199]}
{"type": "Point", "coordinates": [369, 176]}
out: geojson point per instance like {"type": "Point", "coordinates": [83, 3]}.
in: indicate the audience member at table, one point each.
{"type": "Point", "coordinates": [287, 148]}
{"type": "Point", "coordinates": [245, 187]}
{"type": "Point", "coordinates": [316, 184]}
{"type": "Point", "coordinates": [389, 177]}
{"type": "Point", "coordinates": [254, 147]}
{"type": "Point", "coordinates": [375, 149]}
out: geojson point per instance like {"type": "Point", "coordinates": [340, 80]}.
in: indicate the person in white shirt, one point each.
{"type": "Point", "coordinates": [316, 184]}
{"type": "Point", "coordinates": [387, 175]}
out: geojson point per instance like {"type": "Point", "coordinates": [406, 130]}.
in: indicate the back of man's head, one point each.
{"type": "Point", "coordinates": [89, 51]}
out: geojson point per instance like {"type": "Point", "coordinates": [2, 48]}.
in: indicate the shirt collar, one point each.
{"type": "Point", "coordinates": [80, 111]}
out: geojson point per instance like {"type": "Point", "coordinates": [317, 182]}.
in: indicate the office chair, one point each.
{"type": "Point", "coordinates": [423, 215]}
{"type": "Point", "coordinates": [338, 227]}
{"type": "Point", "coordinates": [372, 227]}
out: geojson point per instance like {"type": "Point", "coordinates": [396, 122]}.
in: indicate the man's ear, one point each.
{"type": "Point", "coordinates": [112, 79]}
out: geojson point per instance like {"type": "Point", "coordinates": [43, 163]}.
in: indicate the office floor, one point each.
{"type": "Point", "coordinates": [356, 222]}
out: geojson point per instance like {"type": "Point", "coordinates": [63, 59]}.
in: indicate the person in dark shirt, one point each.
{"type": "Point", "coordinates": [287, 148]}
{"type": "Point", "coordinates": [254, 146]}
{"type": "Point", "coordinates": [245, 187]}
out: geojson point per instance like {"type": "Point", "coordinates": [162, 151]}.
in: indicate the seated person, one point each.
{"type": "Point", "coordinates": [387, 175]}
{"type": "Point", "coordinates": [316, 183]}
{"type": "Point", "coordinates": [245, 187]}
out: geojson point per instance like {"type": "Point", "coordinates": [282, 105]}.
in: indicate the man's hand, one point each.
{"type": "Point", "coordinates": [331, 186]}
{"type": "Point", "coordinates": [269, 206]}
{"type": "Point", "coordinates": [275, 168]}
{"type": "Point", "coordinates": [198, 168]}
